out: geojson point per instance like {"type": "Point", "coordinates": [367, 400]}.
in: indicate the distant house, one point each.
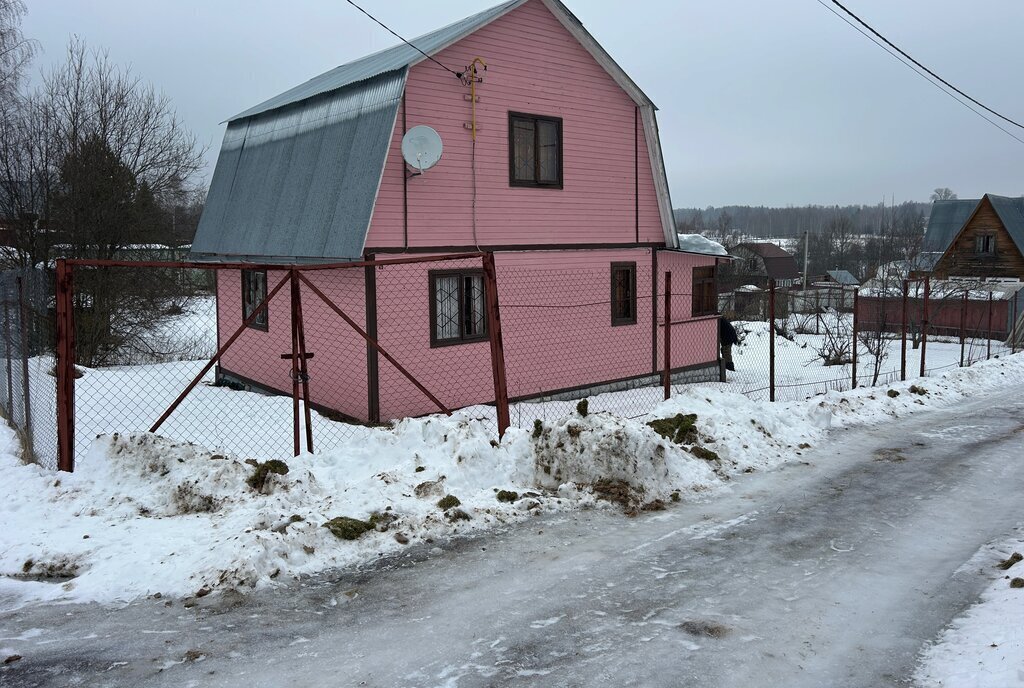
{"type": "Point", "coordinates": [565, 184]}
{"type": "Point", "coordinates": [843, 278]}
{"type": "Point", "coordinates": [981, 238]}
{"type": "Point", "coordinates": [758, 262]}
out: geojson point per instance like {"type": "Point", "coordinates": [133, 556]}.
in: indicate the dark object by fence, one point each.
{"type": "Point", "coordinates": [65, 369]}
{"type": "Point", "coordinates": [771, 340]}
{"type": "Point", "coordinates": [853, 357]}
{"type": "Point", "coordinates": [903, 333]}
{"type": "Point", "coordinates": [924, 325]}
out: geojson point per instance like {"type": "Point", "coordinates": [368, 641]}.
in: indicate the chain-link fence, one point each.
{"type": "Point", "coordinates": [265, 361]}
{"type": "Point", "coordinates": [27, 381]}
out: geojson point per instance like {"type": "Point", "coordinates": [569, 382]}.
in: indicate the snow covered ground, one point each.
{"type": "Point", "coordinates": [984, 648]}
{"type": "Point", "coordinates": [144, 514]}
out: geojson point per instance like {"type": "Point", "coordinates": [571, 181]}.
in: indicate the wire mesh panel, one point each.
{"type": "Point", "coordinates": [27, 381]}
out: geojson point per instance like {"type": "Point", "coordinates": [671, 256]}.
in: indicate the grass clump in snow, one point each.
{"type": "Point", "coordinates": [702, 453]}
{"type": "Point", "coordinates": [448, 502]}
{"type": "Point", "coordinates": [263, 470]}
{"type": "Point", "coordinates": [458, 515]}
{"type": "Point", "coordinates": [538, 428]}
{"type": "Point", "coordinates": [892, 393]}
{"type": "Point", "coordinates": [583, 408]}
{"type": "Point", "coordinates": [914, 389]}
{"type": "Point", "coordinates": [507, 496]}
{"type": "Point", "coordinates": [381, 520]}
{"type": "Point", "coordinates": [1017, 583]}
{"type": "Point", "coordinates": [1013, 559]}
{"type": "Point", "coordinates": [679, 428]}
{"type": "Point", "coordinates": [346, 528]}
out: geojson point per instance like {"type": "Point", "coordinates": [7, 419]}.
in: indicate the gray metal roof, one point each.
{"type": "Point", "coordinates": [843, 277]}
{"type": "Point", "coordinates": [387, 60]}
{"type": "Point", "coordinates": [945, 222]}
{"type": "Point", "coordinates": [300, 182]}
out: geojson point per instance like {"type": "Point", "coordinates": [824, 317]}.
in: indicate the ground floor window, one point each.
{"type": "Point", "coordinates": [623, 294]}
{"type": "Point", "coordinates": [254, 292]}
{"type": "Point", "coordinates": [705, 293]}
{"type": "Point", "coordinates": [457, 307]}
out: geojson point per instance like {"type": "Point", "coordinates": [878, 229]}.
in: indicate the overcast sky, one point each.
{"type": "Point", "coordinates": [773, 103]}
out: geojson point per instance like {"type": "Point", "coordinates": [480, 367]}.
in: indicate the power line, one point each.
{"type": "Point", "coordinates": [922, 67]}
{"type": "Point", "coordinates": [897, 56]}
{"type": "Point", "coordinates": [386, 28]}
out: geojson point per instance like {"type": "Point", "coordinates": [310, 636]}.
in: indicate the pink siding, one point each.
{"type": "Point", "coordinates": [694, 341]}
{"type": "Point", "coordinates": [338, 369]}
{"type": "Point", "coordinates": [534, 66]}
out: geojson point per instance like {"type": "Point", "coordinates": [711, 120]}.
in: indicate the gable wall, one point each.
{"type": "Point", "coordinates": [961, 259]}
{"type": "Point", "coordinates": [534, 66]}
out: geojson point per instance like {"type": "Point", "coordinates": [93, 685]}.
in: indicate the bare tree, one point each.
{"type": "Point", "coordinates": [943, 194]}
{"type": "Point", "coordinates": [16, 51]}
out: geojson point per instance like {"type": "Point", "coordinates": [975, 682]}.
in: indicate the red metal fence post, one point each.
{"type": "Point", "coordinates": [856, 323]}
{"type": "Point", "coordinates": [667, 373]}
{"type": "Point", "coordinates": [497, 344]}
{"type": "Point", "coordinates": [1013, 327]}
{"type": "Point", "coordinates": [963, 325]}
{"type": "Point", "coordinates": [924, 324]}
{"type": "Point", "coordinates": [65, 369]}
{"type": "Point", "coordinates": [988, 339]}
{"type": "Point", "coordinates": [296, 425]}
{"type": "Point", "coordinates": [903, 334]}
{"type": "Point", "coordinates": [771, 340]}
{"type": "Point", "coordinates": [304, 357]}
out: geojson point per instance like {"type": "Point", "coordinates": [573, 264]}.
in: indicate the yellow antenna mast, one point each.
{"type": "Point", "coordinates": [471, 75]}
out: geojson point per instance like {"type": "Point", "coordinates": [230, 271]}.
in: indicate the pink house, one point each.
{"type": "Point", "coordinates": [564, 183]}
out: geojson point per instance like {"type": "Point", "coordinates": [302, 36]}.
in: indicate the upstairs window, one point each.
{"type": "Point", "coordinates": [623, 294]}
{"type": "Point", "coordinates": [534, 150]}
{"type": "Point", "coordinates": [457, 307]}
{"type": "Point", "coordinates": [985, 244]}
{"type": "Point", "coordinates": [254, 292]}
{"type": "Point", "coordinates": [705, 293]}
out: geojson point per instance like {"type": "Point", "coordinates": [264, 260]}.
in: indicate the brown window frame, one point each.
{"type": "Point", "coordinates": [463, 338]}
{"type": "Point", "coordinates": [979, 244]}
{"type": "Point", "coordinates": [535, 183]}
{"type": "Point", "coordinates": [257, 323]}
{"type": "Point", "coordinates": [704, 291]}
{"type": "Point", "coordinates": [631, 319]}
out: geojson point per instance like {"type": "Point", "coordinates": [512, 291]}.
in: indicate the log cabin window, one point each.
{"type": "Point", "coordinates": [985, 244]}
{"type": "Point", "coordinates": [254, 292]}
{"type": "Point", "coordinates": [457, 307]}
{"type": "Point", "coordinates": [623, 294]}
{"type": "Point", "coordinates": [705, 294]}
{"type": "Point", "coordinates": [534, 150]}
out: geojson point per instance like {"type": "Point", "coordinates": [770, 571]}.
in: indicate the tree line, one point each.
{"type": "Point", "coordinates": [94, 161]}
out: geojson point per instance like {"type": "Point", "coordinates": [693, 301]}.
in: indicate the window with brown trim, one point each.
{"type": "Point", "coordinates": [623, 294]}
{"type": "Point", "coordinates": [457, 312]}
{"type": "Point", "coordinates": [254, 292]}
{"type": "Point", "coordinates": [705, 292]}
{"type": "Point", "coordinates": [534, 150]}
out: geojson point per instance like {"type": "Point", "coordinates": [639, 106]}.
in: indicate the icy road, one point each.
{"type": "Point", "coordinates": [833, 572]}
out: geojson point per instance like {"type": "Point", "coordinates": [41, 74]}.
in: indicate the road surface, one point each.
{"type": "Point", "coordinates": [833, 571]}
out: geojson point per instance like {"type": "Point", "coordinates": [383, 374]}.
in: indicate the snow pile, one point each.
{"type": "Point", "coordinates": [985, 647]}
{"type": "Point", "coordinates": [144, 515]}
{"type": "Point", "coordinates": [695, 243]}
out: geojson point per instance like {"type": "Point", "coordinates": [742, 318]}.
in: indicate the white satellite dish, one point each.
{"type": "Point", "coordinates": [421, 148]}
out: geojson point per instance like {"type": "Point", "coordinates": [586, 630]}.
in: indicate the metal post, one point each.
{"type": "Point", "coordinates": [304, 357]}
{"type": "Point", "coordinates": [988, 339]}
{"type": "Point", "coordinates": [667, 373]}
{"type": "Point", "coordinates": [856, 323]}
{"type": "Point", "coordinates": [771, 340]}
{"type": "Point", "coordinates": [1013, 327]}
{"type": "Point", "coordinates": [25, 386]}
{"type": "Point", "coordinates": [924, 324]}
{"type": "Point", "coordinates": [296, 429]}
{"type": "Point", "coordinates": [903, 334]}
{"type": "Point", "coordinates": [65, 369]}
{"type": "Point", "coordinates": [963, 326]}
{"type": "Point", "coordinates": [10, 356]}
{"type": "Point", "coordinates": [497, 344]}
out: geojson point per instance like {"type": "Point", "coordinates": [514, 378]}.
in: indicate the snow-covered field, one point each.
{"type": "Point", "coordinates": [145, 515]}
{"type": "Point", "coordinates": [984, 648]}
